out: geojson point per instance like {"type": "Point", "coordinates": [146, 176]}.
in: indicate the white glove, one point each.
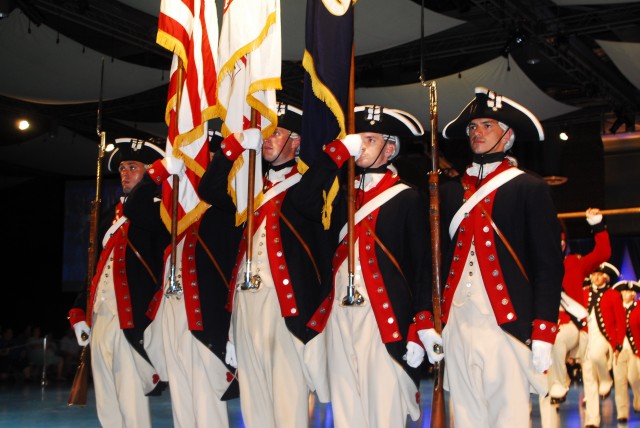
{"type": "Point", "coordinates": [541, 351]}
{"type": "Point", "coordinates": [251, 139]}
{"type": "Point", "coordinates": [593, 216]}
{"type": "Point", "coordinates": [230, 357]}
{"type": "Point", "coordinates": [353, 143]}
{"type": "Point", "coordinates": [173, 165]}
{"type": "Point", "coordinates": [83, 332]}
{"type": "Point", "coordinates": [414, 355]}
{"type": "Point", "coordinates": [431, 339]}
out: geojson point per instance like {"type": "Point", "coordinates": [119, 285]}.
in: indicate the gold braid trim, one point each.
{"type": "Point", "coordinates": [188, 219]}
{"type": "Point", "coordinates": [323, 93]}
{"type": "Point", "coordinates": [327, 209]}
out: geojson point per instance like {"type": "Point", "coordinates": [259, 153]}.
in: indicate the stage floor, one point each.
{"type": "Point", "coordinates": [27, 404]}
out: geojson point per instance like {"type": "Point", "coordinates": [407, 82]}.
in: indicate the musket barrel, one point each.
{"type": "Point", "coordinates": [438, 416]}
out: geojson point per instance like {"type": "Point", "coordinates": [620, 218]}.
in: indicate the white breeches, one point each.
{"type": "Point", "coordinates": [197, 377]}
{"type": "Point", "coordinates": [369, 389]}
{"type": "Point", "coordinates": [488, 388]}
{"type": "Point", "coordinates": [120, 398]}
{"type": "Point", "coordinates": [274, 392]}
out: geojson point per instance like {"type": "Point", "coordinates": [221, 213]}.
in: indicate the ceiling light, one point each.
{"type": "Point", "coordinates": [6, 7]}
{"type": "Point", "coordinates": [531, 53]}
{"type": "Point", "coordinates": [23, 124]}
{"type": "Point", "coordinates": [563, 136]}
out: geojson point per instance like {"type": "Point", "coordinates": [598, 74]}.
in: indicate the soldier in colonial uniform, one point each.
{"type": "Point", "coordinates": [606, 325]}
{"type": "Point", "coordinates": [572, 335]}
{"type": "Point", "coordinates": [194, 324]}
{"type": "Point", "coordinates": [572, 338]}
{"type": "Point", "coordinates": [373, 346]}
{"type": "Point", "coordinates": [127, 276]}
{"type": "Point", "coordinates": [625, 367]}
{"type": "Point", "coordinates": [504, 270]}
{"type": "Point", "coordinates": [269, 340]}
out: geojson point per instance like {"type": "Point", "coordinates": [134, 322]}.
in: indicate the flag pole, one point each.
{"type": "Point", "coordinates": [351, 172]}
{"type": "Point", "coordinates": [353, 297]}
{"type": "Point", "coordinates": [251, 282]}
{"type": "Point", "coordinates": [174, 288]}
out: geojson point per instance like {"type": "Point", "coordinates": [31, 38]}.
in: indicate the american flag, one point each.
{"type": "Point", "coordinates": [190, 31]}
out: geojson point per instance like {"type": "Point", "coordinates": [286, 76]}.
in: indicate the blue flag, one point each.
{"type": "Point", "coordinates": [327, 63]}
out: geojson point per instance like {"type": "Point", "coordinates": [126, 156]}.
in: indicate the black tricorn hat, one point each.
{"type": "Point", "coordinates": [627, 285]}
{"type": "Point", "coordinates": [289, 117]}
{"type": "Point", "coordinates": [133, 149]}
{"type": "Point", "coordinates": [488, 104]}
{"type": "Point", "coordinates": [612, 272]}
{"type": "Point", "coordinates": [387, 121]}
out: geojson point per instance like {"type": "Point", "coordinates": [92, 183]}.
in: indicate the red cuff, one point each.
{"type": "Point", "coordinates": [338, 152]}
{"type": "Point", "coordinates": [76, 315]}
{"type": "Point", "coordinates": [544, 330]}
{"type": "Point", "coordinates": [424, 320]}
{"type": "Point", "coordinates": [412, 334]}
{"type": "Point", "coordinates": [158, 172]}
{"type": "Point", "coordinates": [231, 148]}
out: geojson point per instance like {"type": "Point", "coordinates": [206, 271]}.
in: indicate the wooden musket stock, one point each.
{"type": "Point", "coordinates": [78, 393]}
{"type": "Point", "coordinates": [438, 416]}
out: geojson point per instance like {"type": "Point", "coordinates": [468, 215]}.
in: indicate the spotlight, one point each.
{"type": "Point", "coordinates": [531, 52]}
{"type": "Point", "coordinates": [515, 40]}
{"type": "Point", "coordinates": [23, 124]}
{"type": "Point", "coordinates": [563, 136]}
{"type": "Point", "coordinates": [6, 7]}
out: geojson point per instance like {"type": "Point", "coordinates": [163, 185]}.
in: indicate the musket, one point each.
{"type": "Point", "coordinates": [616, 211]}
{"type": "Point", "coordinates": [78, 394]}
{"type": "Point", "coordinates": [438, 416]}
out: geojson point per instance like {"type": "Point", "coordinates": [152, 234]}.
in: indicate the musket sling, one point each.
{"type": "Point", "coordinates": [505, 242]}
{"type": "Point", "coordinates": [304, 244]}
{"type": "Point", "coordinates": [213, 260]}
{"type": "Point", "coordinates": [135, 251]}
{"type": "Point", "coordinates": [386, 251]}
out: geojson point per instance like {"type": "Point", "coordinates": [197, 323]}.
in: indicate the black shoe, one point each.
{"type": "Point", "coordinates": [590, 426]}
{"type": "Point", "coordinates": [623, 420]}
{"type": "Point", "coordinates": [558, 400]}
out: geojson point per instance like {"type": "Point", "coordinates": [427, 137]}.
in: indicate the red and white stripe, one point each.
{"type": "Point", "coordinates": [190, 30]}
